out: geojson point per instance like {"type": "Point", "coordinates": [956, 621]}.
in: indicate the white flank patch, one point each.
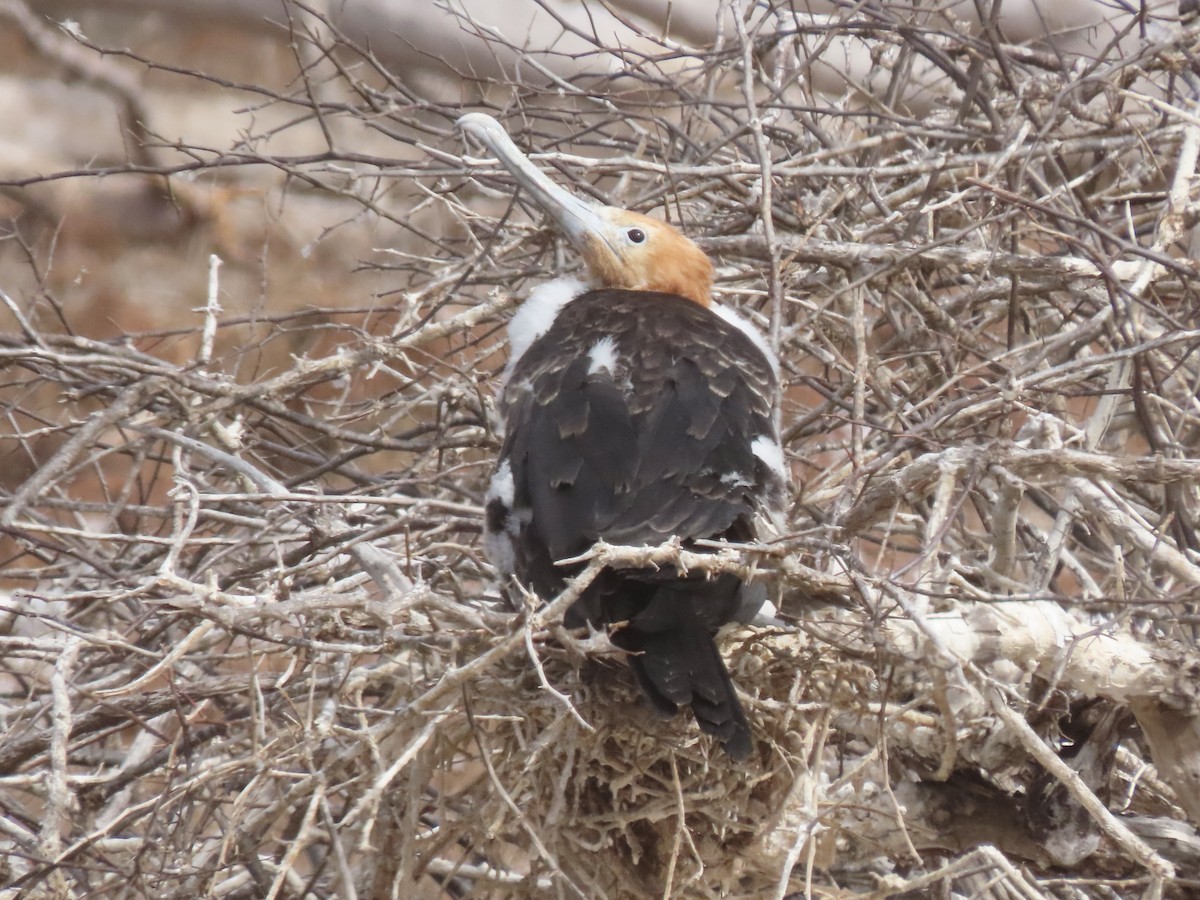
{"type": "Point", "coordinates": [768, 450]}
{"type": "Point", "coordinates": [537, 314]}
{"type": "Point", "coordinates": [746, 327]}
{"type": "Point", "coordinates": [501, 487]}
{"type": "Point", "coordinates": [603, 355]}
{"type": "Point", "coordinates": [499, 550]}
{"type": "Point", "coordinates": [498, 545]}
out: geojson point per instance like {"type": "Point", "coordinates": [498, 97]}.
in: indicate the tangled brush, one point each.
{"type": "Point", "coordinates": [249, 646]}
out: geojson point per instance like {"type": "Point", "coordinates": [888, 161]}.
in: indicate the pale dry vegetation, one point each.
{"type": "Point", "coordinates": [253, 297]}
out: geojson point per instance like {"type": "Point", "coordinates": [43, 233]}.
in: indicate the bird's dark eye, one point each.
{"type": "Point", "coordinates": [635, 235]}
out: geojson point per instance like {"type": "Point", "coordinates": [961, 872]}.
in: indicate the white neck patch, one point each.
{"type": "Point", "coordinates": [537, 314]}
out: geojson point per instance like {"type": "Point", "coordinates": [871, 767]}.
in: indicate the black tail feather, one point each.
{"type": "Point", "coordinates": [682, 667]}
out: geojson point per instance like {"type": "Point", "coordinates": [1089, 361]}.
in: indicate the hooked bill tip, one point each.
{"type": "Point", "coordinates": [478, 124]}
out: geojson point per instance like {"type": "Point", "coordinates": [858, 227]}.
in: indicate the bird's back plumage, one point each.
{"type": "Point", "coordinates": [637, 417]}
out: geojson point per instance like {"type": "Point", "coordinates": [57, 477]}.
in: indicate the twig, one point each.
{"type": "Point", "coordinates": [211, 310]}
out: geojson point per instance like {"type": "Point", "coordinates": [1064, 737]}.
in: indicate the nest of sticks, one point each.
{"type": "Point", "coordinates": [250, 646]}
